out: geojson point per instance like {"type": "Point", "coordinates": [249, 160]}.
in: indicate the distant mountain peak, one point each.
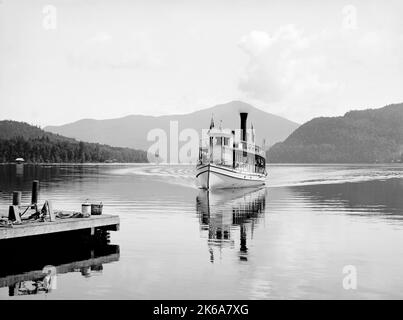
{"type": "Point", "coordinates": [237, 106]}
{"type": "Point", "coordinates": [131, 131]}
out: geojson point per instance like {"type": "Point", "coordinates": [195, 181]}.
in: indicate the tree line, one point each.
{"type": "Point", "coordinates": [43, 149]}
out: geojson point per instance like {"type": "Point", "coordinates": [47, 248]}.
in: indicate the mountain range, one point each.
{"type": "Point", "coordinates": [365, 136]}
{"type": "Point", "coordinates": [131, 131]}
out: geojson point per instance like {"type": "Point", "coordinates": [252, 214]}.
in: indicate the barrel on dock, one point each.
{"type": "Point", "coordinates": [86, 209]}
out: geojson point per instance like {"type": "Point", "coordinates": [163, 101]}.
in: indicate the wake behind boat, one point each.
{"type": "Point", "coordinates": [225, 162]}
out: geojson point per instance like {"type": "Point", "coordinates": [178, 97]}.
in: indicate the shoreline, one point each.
{"type": "Point", "coordinates": [191, 164]}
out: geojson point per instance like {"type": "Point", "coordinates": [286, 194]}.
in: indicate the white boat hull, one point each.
{"type": "Point", "coordinates": [211, 176]}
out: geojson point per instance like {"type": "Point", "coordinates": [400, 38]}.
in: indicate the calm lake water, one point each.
{"type": "Point", "coordinates": [288, 240]}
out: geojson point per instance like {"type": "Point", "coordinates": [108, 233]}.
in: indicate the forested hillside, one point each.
{"type": "Point", "coordinates": [18, 139]}
{"type": "Point", "coordinates": [368, 136]}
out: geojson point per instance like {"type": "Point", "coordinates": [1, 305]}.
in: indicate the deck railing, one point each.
{"type": "Point", "coordinates": [240, 146]}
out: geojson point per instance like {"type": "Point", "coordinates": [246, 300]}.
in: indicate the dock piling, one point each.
{"type": "Point", "coordinates": [16, 198]}
{"type": "Point", "coordinates": [35, 191]}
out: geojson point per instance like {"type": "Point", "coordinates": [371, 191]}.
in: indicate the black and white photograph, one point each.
{"type": "Point", "coordinates": [215, 150]}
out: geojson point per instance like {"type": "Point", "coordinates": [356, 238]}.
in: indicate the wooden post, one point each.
{"type": "Point", "coordinates": [13, 211]}
{"type": "Point", "coordinates": [35, 190]}
{"type": "Point", "coordinates": [16, 198]}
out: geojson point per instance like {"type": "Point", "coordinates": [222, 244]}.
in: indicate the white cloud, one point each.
{"type": "Point", "coordinates": [301, 74]}
{"type": "Point", "coordinates": [255, 43]}
{"type": "Point", "coordinates": [279, 65]}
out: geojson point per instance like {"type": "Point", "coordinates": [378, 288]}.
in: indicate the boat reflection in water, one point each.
{"type": "Point", "coordinates": [223, 213]}
{"type": "Point", "coordinates": [33, 267]}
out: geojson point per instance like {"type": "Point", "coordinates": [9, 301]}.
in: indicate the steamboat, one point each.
{"type": "Point", "coordinates": [230, 160]}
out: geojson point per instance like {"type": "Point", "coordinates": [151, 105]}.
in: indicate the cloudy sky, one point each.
{"type": "Point", "coordinates": [63, 60]}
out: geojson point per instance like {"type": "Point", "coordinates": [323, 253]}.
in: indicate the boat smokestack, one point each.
{"type": "Point", "coordinates": [244, 116]}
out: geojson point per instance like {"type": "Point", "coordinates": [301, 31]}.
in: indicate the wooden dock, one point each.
{"type": "Point", "coordinates": [92, 223]}
{"type": "Point", "coordinates": [45, 222]}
